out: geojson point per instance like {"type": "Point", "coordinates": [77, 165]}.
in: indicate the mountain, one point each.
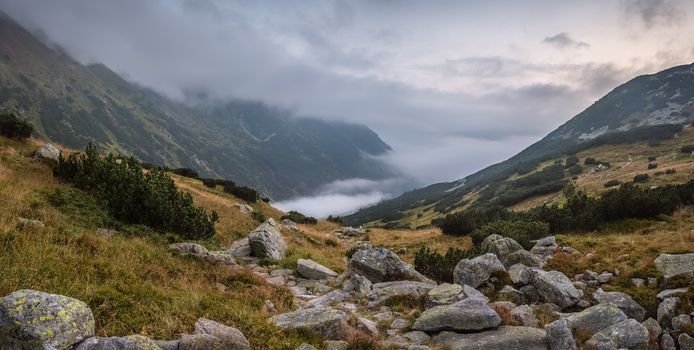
{"type": "Point", "coordinates": [272, 150]}
{"type": "Point", "coordinates": [640, 118]}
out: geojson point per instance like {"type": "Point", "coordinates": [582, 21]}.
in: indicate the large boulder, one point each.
{"type": "Point", "coordinates": [47, 151]}
{"type": "Point", "coordinates": [500, 246]}
{"type": "Point", "coordinates": [474, 272]}
{"type": "Point", "coordinates": [623, 301]}
{"type": "Point", "coordinates": [231, 338]}
{"type": "Point", "coordinates": [545, 247]}
{"type": "Point", "coordinates": [522, 257]}
{"type": "Point", "coordinates": [313, 270]}
{"type": "Point", "coordinates": [672, 265]}
{"type": "Point", "coordinates": [503, 338]}
{"type": "Point", "coordinates": [520, 274]}
{"type": "Point", "coordinates": [471, 314]}
{"type": "Point", "coordinates": [383, 292]}
{"type": "Point", "coordinates": [200, 252]}
{"type": "Point", "coordinates": [554, 287]}
{"type": "Point", "coordinates": [667, 309]}
{"type": "Point", "coordinates": [36, 320]}
{"type": "Point", "coordinates": [596, 318]}
{"type": "Point", "coordinates": [382, 265]}
{"type": "Point", "coordinates": [266, 241]}
{"type": "Point", "coordinates": [323, 321]}
{"type": "Point", "coordinates": [627, 334]}
{"type": "Point", "coordinates": [446, 294]}
{"type": "Point", "coordinates": [132, 342]}
{"type": "Point", "coordinates": [327, 299]}
{"type": "Point", "coordinates": [240, 248]}
{"type": "Point", "coordinates": [559, 336]}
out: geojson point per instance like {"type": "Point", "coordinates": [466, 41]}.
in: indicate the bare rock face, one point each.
{"type": "Point", "coordinates": [503, 338]}
{"type": "Point", "coordinates": [471, 314]}
{"type": "Point", "coordinates": [382, 265]}
{"type": "Point", "coordinates": [266, 241]}
{"type": "Point", "coordinates": [36, 320]}
{"type": "Point", "coordinates": [474, 272]}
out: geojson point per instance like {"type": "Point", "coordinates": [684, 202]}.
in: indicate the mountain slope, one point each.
{"type": "Point", "coordinates": [647, 109]}
{"type": "Point", "coordinates": [274, 151]}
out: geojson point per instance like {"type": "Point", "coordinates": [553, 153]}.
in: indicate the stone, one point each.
{"type": "Point", "coordinates": [511, 294]}
{"type": "Point", "coordinates": [604, 277]}
{"type": "Point", "coordinates": [444, 294]}
{"type": "Point", "coordinates": [596, 318]}
{"type": "Point", "coordinates": [47, 152]}
{"type": "Point", "coordinates": [133, 342]}
{"type": "Point", "coordinates": [671, 265]}
{"type": "Point", "coordinates": [327, 299]}
{"type": "Point", "coordinates": [520, 274]}
{"type": "Point", "coordinates": [471, 314]}
{"type": "Point", "coordinates": [669, 293]}
{"type": "Point", "coordinates": [266, 241]}
{"type": "Point", "coordinates": [524, 315]}
{"type": "Point", "coordinates": [554, 287]}
{"type": "Point", "coordinates": [31, 319]}
{"type": "Point", "coordinates": [305, 346]}
{"type": "Point", "coordinates": [106, 232]}
{"type": "Point", "coordinates": [336, 345]}
{"type": "Point", "coordinates": [523, 257]}
{"type": "Point", "coordinates": [681, 323]}
{"type": "Point", "coordinates": [600, 341]}
{"type": "Point", "coordinates": [530, 293]}
{"type": "Point", "coordinates": [230, 337]}
{"type": "Point", "coordinates": [357, 284]}
{"type": "Point", "coordinates": [545, 247]}
{"type": "Point", "coordinates": [352, 231]}
{"type": "Point", "coordinates": [385, 291]}
{"type": "Point", "coordinates": [503, 338]}
{"type": "Point", "coordinates": [500, 246]}
{"type": "Point", "coordinates": [200, 252]}
{"type": "Point", "coordinates": [399, 324]}
{"type": "Point", "coordinates": [323, 321]}
{"type": "Point", "coordinates": [367, 326]}
{"type": "Point", "coordinates": [240, 248]}
{"type": "Point", "coordinates": [559, 336]}
{"type": "Point", "coordinates": [29, 224]}
{"type": "Point", "coordinates": [290, 225]}
{"type": "Point", "coordinates": [627, 334]}
{"type": "Point", "coordinates": [667, 342]}
{"type": "Point", "coordinates": [244, 208]}
{"type": "Point", "coordinates": [654, 329]}
{"type": "Point", "coordinates": [417, 337]}
{"type": "Point", "coordinates": [269, 307]}
{"type": "Point", "coordinates": [382, 265]}
{"type": "Point", "coordinates": [313, 270]}
{"type": "Point", "coordinates": [623, 301]}
{"type": "Point", "coordinates": [666, 310]}
{"type": "Point", "coordinates": [685, 341]}
{"type": "Point", "coordinates": [474, 272]}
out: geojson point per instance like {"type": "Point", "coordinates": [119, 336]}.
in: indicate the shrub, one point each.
{"type": "Point", "coordinates": [299, 218]}
{"type": "Point", "coordinates": [136, 197]}
{"type": "Point", "coordinates": [589, 161]}
{"type": "Point", "coordinates": [670, 171]}
{"type": "Point", "coordinates": [330, 242]}
{"type": "Point", "coordinates": [242, 192]}
{"type": "Point", "coordinates": [465, 222]}
{"type": "Point", "coordinates": [258, 216]}
{"type": "Point", "coordinates": [687, 149]}
{"type": "Point", "coordinates": [335, 219]}
{"type": "Point", "coordinates": [571, 161]}
{"type": "Point", "coordinates": [187, 172]}
{"type": "Point", "coordinates": [521, 231]}
{"type": "Point", "coordinates": [652, 165]}
{"type": "Point", "coordinates": [612, 183]}
{"type": "Point", "coordinates": [211, 183]}
{"type": "Point", "coordinates": [13, 127]}
{"type": "Point", "coordinates": [652, 158]}
{"type": "Point", "coordinates": [641, 178]}
{"type": "Point", "coordinates": [437, 266]}
{"type": "Point", "coordinates": [576, 169]}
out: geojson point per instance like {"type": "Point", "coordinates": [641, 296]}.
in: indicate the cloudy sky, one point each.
{"type": "Point", "coordinates": [452, 86]}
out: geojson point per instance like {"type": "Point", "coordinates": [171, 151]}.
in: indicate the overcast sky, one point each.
{"type": "Point", "coordinates": [452, 86]}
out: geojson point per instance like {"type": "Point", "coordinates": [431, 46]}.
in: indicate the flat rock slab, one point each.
{"type": "Point", "coordinates": [324, 321]}
{"type": "Point", "coordinates": [503, 338]}
{"type": "Point", "coordinates": [471, 314]}
{"type": "Point", "coordinates": [313, 270]}
{"type": "Point", "coordinates": [385, 291]}
{"type": "Point", "coordinates": [675, 264]}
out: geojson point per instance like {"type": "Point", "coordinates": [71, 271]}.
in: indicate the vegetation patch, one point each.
{"type": "Point", "coordinates": [13, 127]}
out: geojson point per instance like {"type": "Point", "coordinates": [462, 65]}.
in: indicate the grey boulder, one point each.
{"type": "Point", "coordinates": [266, 241]}
{"type": "Point", "coordinates": [382, 265]}
{"type": "Point", "coordinates": [474, 272]}
{"type": "Point", "coordinates": [500, 246]}
{"type": "Point", "coordinates": [559, 336]}
{"type": "Point", "coordinates": [471, 314]}
{"type": "Point", "coordinates": [627, 334]}
{"type": "Point", "coordinates": [672, 265]}
{"type": "Point", "coordinates": [522, 257]}
{"type": "Point", "coordinates": [554, 287]}
{"type": "Point", "coordinates": [446, 293]}
{"type": "Point", "coordinates": [596, 318]}
{"type": "Point", "coordinates": [200, 252]}
{"type": "Point", "coordinates": [623, 301]}
{"type": "Point", "coordinates": [313, 270]}
{"type": "Point", "coordinates": [47, 151]}
{"type": "Point", "coordinates": [383, 292]}
{"type": "Point", "coordinates": [133, 342]}
{"type": "Point", "coordinates": [323, 321]}
{"type": "Point", "coordinates": [503, 338]}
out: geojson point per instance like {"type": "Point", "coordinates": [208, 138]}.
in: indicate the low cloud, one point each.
{"type": "Point", "coordinates": [654, 12]}
{"type": "Point", "coordinates": [564, 41]}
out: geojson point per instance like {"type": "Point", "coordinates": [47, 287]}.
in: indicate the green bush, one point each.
{"type": "Point", "coordinates": [576, 169]}
{"type": "Point", "coordinates": [187, 172]}
{"type": "Point", "coordinates": [612, 183]}
{"type": "Point", "coordinates": [136, 197]}
{"type": "Point", "coordinates": [521, 231]}
{"type": "Point", "coordinates": [652, 158]}
{"type": "Point", "coordinates": [687, 149]}
{"type": "Point", "coordinates": [571, 161]}
{"type": "Point", "coordinates": [299, 218]}
{"type": "Point", "coordinates": [440, 267]}
{"type": "Point", "coordinates": [335, 219]}
{"type": "Point", "coordinates": [15, 128]}
{"type": "Point", "coordinates": [652, 165]}
{"type": "Point", "coordinates": [641, 178]}
{"type": "Point", "coordinates": [464, 222]}
{"type": "Point", "coordinates": [670, 171]}
{"type": "Point", "coordinates": [589, 161]}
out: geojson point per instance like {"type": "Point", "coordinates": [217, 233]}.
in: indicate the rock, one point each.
{"type": "Point", "coordinates": [358, 284]}
{"type": "Point", "coordinates": [230, 337]}
{"type": "Point", "coordinates": [530, 293]}
{"type": "Point", "coordinates": [554, 287]}
{"type": "Point", "coordinates": [654, 329]}
{"type": "Point", "coordinates": [244, 208]}
{"type": "Point", "coordinates": [269, 307]}
{"type": "Point", "coordinates": [474, 272]}
{"type": "Point", "coordinates": [627, 334]}
{"type": "Point", "coordinates": [652, 282]}
{"type": "Point", "coordinates": [600, 341]}
{"type": "Point", "coordinates": [324, 321]}
{"type": "Point", "coordinates": [266, 241]}
{"type": "Point", "coordinates": [667, 342]}
{"type": "Point", "coordinates": [559, 336]}
{"type": "Point", "coordinates": [382, 265]}
{"type": "Point", "coordinates": [596, 318]}
{"type": "Point", "coordinates": [685, 341]}
{"type": "Point", "coordinates": [313, 270]}
{"type": "Point", "coordinates": [666, 310]}
{"type": "Point", "coordinates": [417, 337]}
{"type": "Point", "coordinates": [385, 291]}
{"type": "Point", "coordinates": [500, 246]}
{"type": "Point", "coordinates": [399, 324]}
{"type": "Point", "coordinates": [305, 346]}
{"type": "Point", "coordinates": [623, 301]}
{"type": "Point", "coordinates": [47, 151]}
{"type": "Point", "coordinates": [669, 293]}
{"type": "Point", "coordinates": [290, 225]}
{"type": "Point", "coordinates": [240, 248]}
{"type": "Point", "coordinates": [638, 282]}
{"type": "Point", "coordinates": [35, 320]}
{"type": "Point", "coordinates": [523, 257]}
{"type": "Point", "coordinates": [511, 294]}
{"type": "Point", "coordinates": [168, 344]}
{"type": "Point", "coordinates": [352, 231]}
{"type": "Point", "coordinates": [681, 323]}
{"type": "Point", "coordinates": [200, 252]}
{"type": "Point", "coordinates": [444, 294]}
{"type": "Point", "coordinates": [30, 224]}
{"type": "Point", "coordinates": [545, 247]}
{"type": "Point", "coordinates": [336, 345]}
{"type": "Point", "coordinates": [367, 326]}
{"type": "Point", "coordinates": [106, 232]}
{"type": "Point", "coordinates": [503, 338]}
{"type": "Point", "coordinates": [604, 277]}
{"type": "Point", "coordinates": [327, 299]}
{"type": "Point", "coordinates": [467, 315]}
{"type": "Point", "coordinates": [672, 265]}
{"type": "Point", "coordinates": [524, 315]}
{"type": "Point", "coordinates": [520, 274]}
{"type": "Point", "coordinates": [133, 342]}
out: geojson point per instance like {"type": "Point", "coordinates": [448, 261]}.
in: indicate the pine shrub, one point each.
{"type": "Point", "coordinates": [13, 127]}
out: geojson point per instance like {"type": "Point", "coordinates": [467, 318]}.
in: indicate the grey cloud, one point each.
{"type": "Point", "coordinates": [564, 41]}
{"type": "Point", "coordinates": [654, 12]}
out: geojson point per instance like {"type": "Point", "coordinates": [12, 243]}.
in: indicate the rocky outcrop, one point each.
{"type": "Point", "coordinates": [313, 270]}
{"type": "Point", "coordinates": [596, 318]}
{"type": "Point", "coordinates": [523, 257]}
{"type": "Point", "coordinates": [474, 272]}
{"type": "Point", "coordinates": [325, 321]}
{"type": "Point", "coordinates": [471, 314]}
{"type": "Point", "coordinates": [382, 265]}
{"type": "Point", "coordinates": [383, 292]}
{"type": "Point", "coordinates": [500, 246]}
{"type": "Point", "coordinates": [545, 247]}
{"type": "Point", "coordinates": [554, 287]}
{"type": "Point", "coordinates": [36, 320]}
{"type": "Point", "coordinates": [503, 338]}
{"type": "Point", "coordinates": [672, 265]}
{"type": "Point", "coordinates": [623, 301]}
{"type": "Point", "coordinates": [266, 241]}
{"type": "Point", "coordinates": [446, 294]}
{"type": "Point", "coordinates": [200, 252]}
{"type": "Point", "coordinates": [47, 152]}
{"type": "Point", "coordinates": [627, 334]}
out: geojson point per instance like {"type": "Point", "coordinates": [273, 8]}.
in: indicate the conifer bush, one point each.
{"type": "Point", "coordinates": [439, 267]}
{"type": "Point", "coordinates": [13, 127]}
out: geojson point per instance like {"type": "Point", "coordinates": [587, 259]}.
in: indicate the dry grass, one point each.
{"type": "Point", "coordinates": [411, 241]}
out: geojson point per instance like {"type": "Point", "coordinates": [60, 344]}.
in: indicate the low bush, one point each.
{"type": "Point", "coordinates": [687, 149]}
{"type": "Point", "coordinates": [670, 171]}
{"type": "Point", "coordinates": [299, 218]}
{"type": "Point", "coordinates": [136, 197]}
{"type": "Point", "coordinates": [439, 267]}
{"type": "Point", "coordinates": [641, 178]}
{"type": "Point", "coordinates": [652, 165]}
{"type": "Point", "coordinates": [571, 161]}
{"type": "Point", "coordinates": [652, 158]}
{"type": "Point", "coordinates": [522, 232]}
{"type": "Point", "coordinates": [612, 183]}
{"type": "Point", "coordinates": [335, 219]}
{"type": "Point", "coordinates": [13, 127]}
{"type": "Point", "coordinates": [576, 169]}
{"type": "Point", "coordinates": [187, 172]}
